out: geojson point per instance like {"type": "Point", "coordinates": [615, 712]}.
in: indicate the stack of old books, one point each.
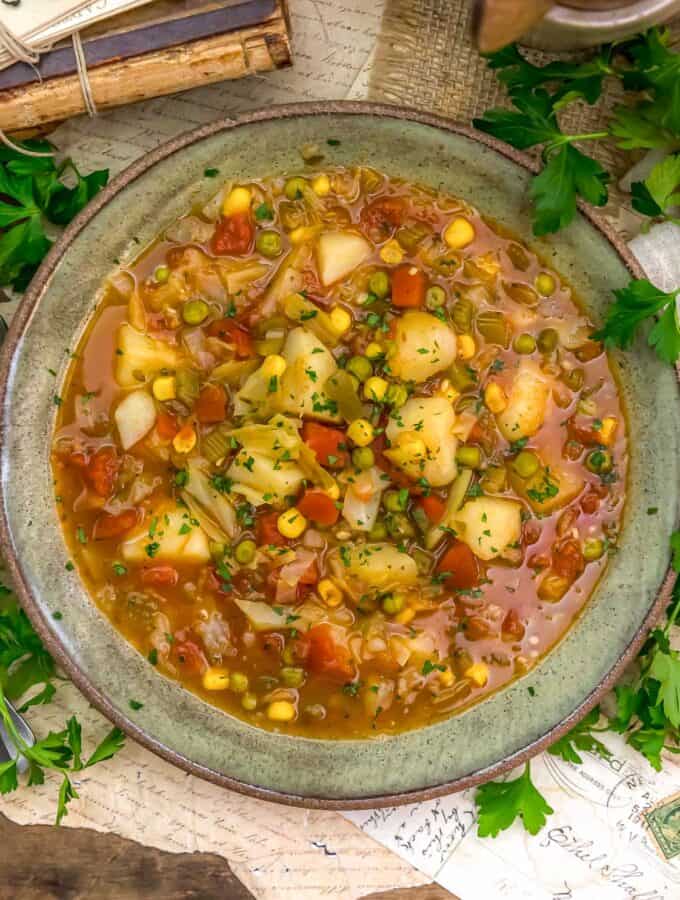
{"type": "Point", "coordinates": [60, 58]}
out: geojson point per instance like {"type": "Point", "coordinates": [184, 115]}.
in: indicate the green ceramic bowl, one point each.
{"type": "Point", "coordinates": [487, 739]}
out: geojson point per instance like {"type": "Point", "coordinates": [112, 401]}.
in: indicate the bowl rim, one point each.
{"type": "Point", "coordinates": [24, 591]}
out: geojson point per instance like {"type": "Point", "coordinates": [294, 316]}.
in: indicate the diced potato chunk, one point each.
{"type": "Point", "coordinates": [141, 354]}
{"type": "Point", "coordinates": [424, 346]}
{"type": "Point", "coordinates": [309, 365]}
{"type": "Point", "coordinates": [380, 566]}
{"type": "Point", "coordinates": [340, 252]}
{"type": "Point", "coordinates": [429, 421]}
{"type": "Point", "coordinates": [135, 416]}
{"type": "Point", "coordinates": [490, 526]}
{"type": "Point", "coordinates": [527, 404]}
{"type": "Point", "coordinates": [551, 488]}
{"type": "Point", "coordinates": [174, 539]}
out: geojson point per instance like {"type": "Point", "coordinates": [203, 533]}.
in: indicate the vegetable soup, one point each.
{"type": "Point", "coordinates": [339, 455]}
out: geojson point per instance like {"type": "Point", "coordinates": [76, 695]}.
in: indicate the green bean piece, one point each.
{"type": "Point", "coordinates": [435, 297]}
{"type": "Point", "coordinates": [548, 340]}
{"type": "Point", "coordinates": [493, 327]}
{"type": "Point", "coordinates": [422, 559]}
{"type": "Point", "coordinates": [359, 366]}
{"type": "Point", "coordinates": [217, 444]}
{"type": "Point", "coordinates": [599, 462]}
{"type": "Point", "coordinates": [195, 311]}
{"type": "Point", "coordinates": [292, 676]}
{"type": "Point", "coordinates": [269, 346]}
{"type": "Point", "coordinates": [574, 379]}
{"type": "Point", "coordinates": [521, 293]}
{"type": "Point", "coordinates": [363, 458]}
{"type": "Point", "coordinates": [268, 243]}
{"type": "Point", "coordinates": [524, 343]}
{"type": "Point", "coordinates": [342, 389]}
{"type": "Point", "coordinates": [393, 604]}
{"type": "Point", "coordinates": [463, 311]}
{"type": "Point", "coordinates": [410, 236]}
{"type": "Point", "coordinates": [526, 464]}
{"type": "Point", "coordinates": [399, 526]}
{"type": "Point", "coordinates": [462, 377]}
{"type": "Point", "coordinates": [378, 532]}
{"type": "Point", "coordinates": [396, 395]}
{"type": "Point", "coordinates": [161, 274]}
{"type": "Point", "coordinates": [469, 457]}
{"type": "Point", "coordinates": [245, 552]}
{"type": "Point", "coordinates": [294, 188]}
{"type": "Point", "coordinates": [421, 519]}
{"type": "Point", "coordinates": [379, 284]}
{"type": "Point", "coordinates": [494, 480]}
{"type": "Point", "coordinates": [593, 548]}
{"type": "Point", "coordinates": [447, 264]}
{"type": "Point", "coordinates": [187, 386]}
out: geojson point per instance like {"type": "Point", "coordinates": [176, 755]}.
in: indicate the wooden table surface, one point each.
{"type": "Point", "coordinates": [40, 862]}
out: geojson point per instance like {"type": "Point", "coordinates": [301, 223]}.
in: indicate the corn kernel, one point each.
{"type": "Point", "coordinates": [333, 491]}
{"type": "Point", "coordinates": [545, 284]}
{"type": "Point", "coordinates": [340, 320]}
{"type": "Point", "coordinates": [446, 678]}
{"type": "Point", "coordinates": [374, 350]}
{"type": "Point", "coordinates": [329, 592]}
{"type": "Point", "coordinates": [405, 616]}
{"type": "Point", "coordinates": [375, 388]}
{"type": "Point", "coordinates": [361, 432]}
{"type": "Point", "coordinates": [495, 398]}
{"type": "Point", "coordinates": [273, 366]}
{"type": "Point", "coordinates": [304, 233]}
{"type": "Point", "coordinates": [459, 233]}
{"type": "Point", "coordinates": [238, 682]}
{"type": "Point", "coordinates": [608, 430]}
{"type": "Point", "coordinates": [164, 388]}
{"type": "Point", "coordinates": [185, 439]}
{"type": "Point", "coordinates": [291, 523]}
{"type": "Point", "coordinates": [392, 253]}
{"type": "Point", "coordinates": [321, 185]}
{"type": "Point", "coordinates": [216, 679]}
{"type": "Point", "coordinates": [237, 201]}
{"type": "Point", "coordinates": [281, 711]}
{"type": "Point", "coordinates": [466, 346]}
{"type": "Point", "coordinates": [479, 673]}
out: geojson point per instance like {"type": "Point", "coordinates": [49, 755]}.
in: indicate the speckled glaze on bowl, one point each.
{"type": "Point", "coordinates": [482, 742]}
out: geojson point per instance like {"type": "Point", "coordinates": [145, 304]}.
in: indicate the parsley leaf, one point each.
{"type": "Point", "coordinates": [580, 737]}
{"type": "Point", "coordinates": [499, 803]}
{"type": "Point", "coordinates": [567, 174]}
{"type": "Point", "coordinates": [660, 191]}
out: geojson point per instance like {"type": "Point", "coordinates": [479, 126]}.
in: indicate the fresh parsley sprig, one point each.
{"type": "Point", "coordinates": [499, 803]}
{"type": "Point", "coordinates": [37, 194]}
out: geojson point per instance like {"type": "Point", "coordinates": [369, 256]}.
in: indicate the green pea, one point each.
{"type": "Point", "coordinates": [379, 284]}
{"type": "Point", "coordinates": [399, 526]}
{"type": "Point", "coordinates": [238, 682]}
{"type": "Point", "coordinates": [268, 243]}
{"type": "Point", "coordinates": [378, 532]}
{"type": "Point", "coordinates": [396, 395]}
{"type": "Point", "coordinates": [195, 311]}
{"type": "Point", "coordinates": [363, 457]}
{"type": "Point", "coordinates": [393, 501]}
{"type": "Point", "coordinates": [161, 274]}
{"type": "Point", "coordinates": [393, 603]}
{"type": "Point", "coordinates": [360, 366]}
{"type": "Point", "coordinates": [470, 457]}
{"type": "Point", "coordinates": [599, 461]}
{"type": "Point", "coordinates": [292, 677]}
{"type": "Point", "coordinates": [249, 702]}
{"type": "Point", "coordinates": [524, 343]}
{"type": "Point", "coordinates": [593, 548]}
{"type": "Point", "coordinates": [435, 297]}
{"type": "Point", "coordinates": [217, 550]}
{"type": "Point", "coordinates": [295, 188]}
{"type": "Point", "coordinates": [548, 340]}
{"type": "Point", "coordinates": [526, 464]}
{"type": "Point", "coordinates": [245, 552]}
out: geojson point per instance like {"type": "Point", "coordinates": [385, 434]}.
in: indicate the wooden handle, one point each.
{"type": "Point", "coordinates": [496, 23]}
{"type": "Point", "coordinates": [260, 48]}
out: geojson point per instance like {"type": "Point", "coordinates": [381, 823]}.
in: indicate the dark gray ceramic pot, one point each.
{"type": "Point", "coordinates": [487, 739]}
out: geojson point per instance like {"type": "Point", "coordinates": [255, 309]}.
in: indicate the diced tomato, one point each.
{"type": "Point", "coordinates": [591, 500]}
{"type": "Point", "coordinates": [409, 284]}
{"type": "Point", "coordinates": [319, 507]}
{"type": "Point", "coordinates": [110, 525]}
{"type": "Point", "coordinates": [102, 470]}
{"type": "Point", "coordinates": [477, 434]}
{"type": "Point", "coordinates": [383, 216]}
{"type": "Point", "coordinates": [233, 235]}
{"type": "Point", "coordinates": [512, 628]}
{"type": "Point", "coordinates": [166, 426]}
{"type": "Point", "coordinates": [311, 574]}
{"type": "Point", "coordinates": [433, 507]}
{"type": "Point", "coordinates": [477, 628]}
{"type": "Point", "coordinates": [266, 530]}
{"type": "Point", "coordinates": [190, 656]}
{"type": "Point", "coordinates": [326, 442]}
{"type": "Point", "coordinates": [227, 330]}
{"type": "Point", "coordinates": [211, 406]}
{"type": "Point", "coordinates": [160, 576]}
{"type": "Point", "coordinates": [460, 565]}
{"type": "Point", "coordinates": [568, 560]}
{"type": "Point", "coordinates": [325, 656]}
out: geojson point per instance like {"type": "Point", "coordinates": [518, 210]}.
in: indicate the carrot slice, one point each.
{"type": "Point", "coordinates": [319, 507]}
{"type": "Point", "coordinates": [329, 444]}
{"type": "Point", "coordinates": [459, 566]}
{"type": "Point", "coordinates": [409, 284]}
{"type": "Point", "coordinates": [211, 406]}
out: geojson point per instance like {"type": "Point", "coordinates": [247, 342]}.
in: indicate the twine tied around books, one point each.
{"type": "Point", "coordinates": [20, 51]}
